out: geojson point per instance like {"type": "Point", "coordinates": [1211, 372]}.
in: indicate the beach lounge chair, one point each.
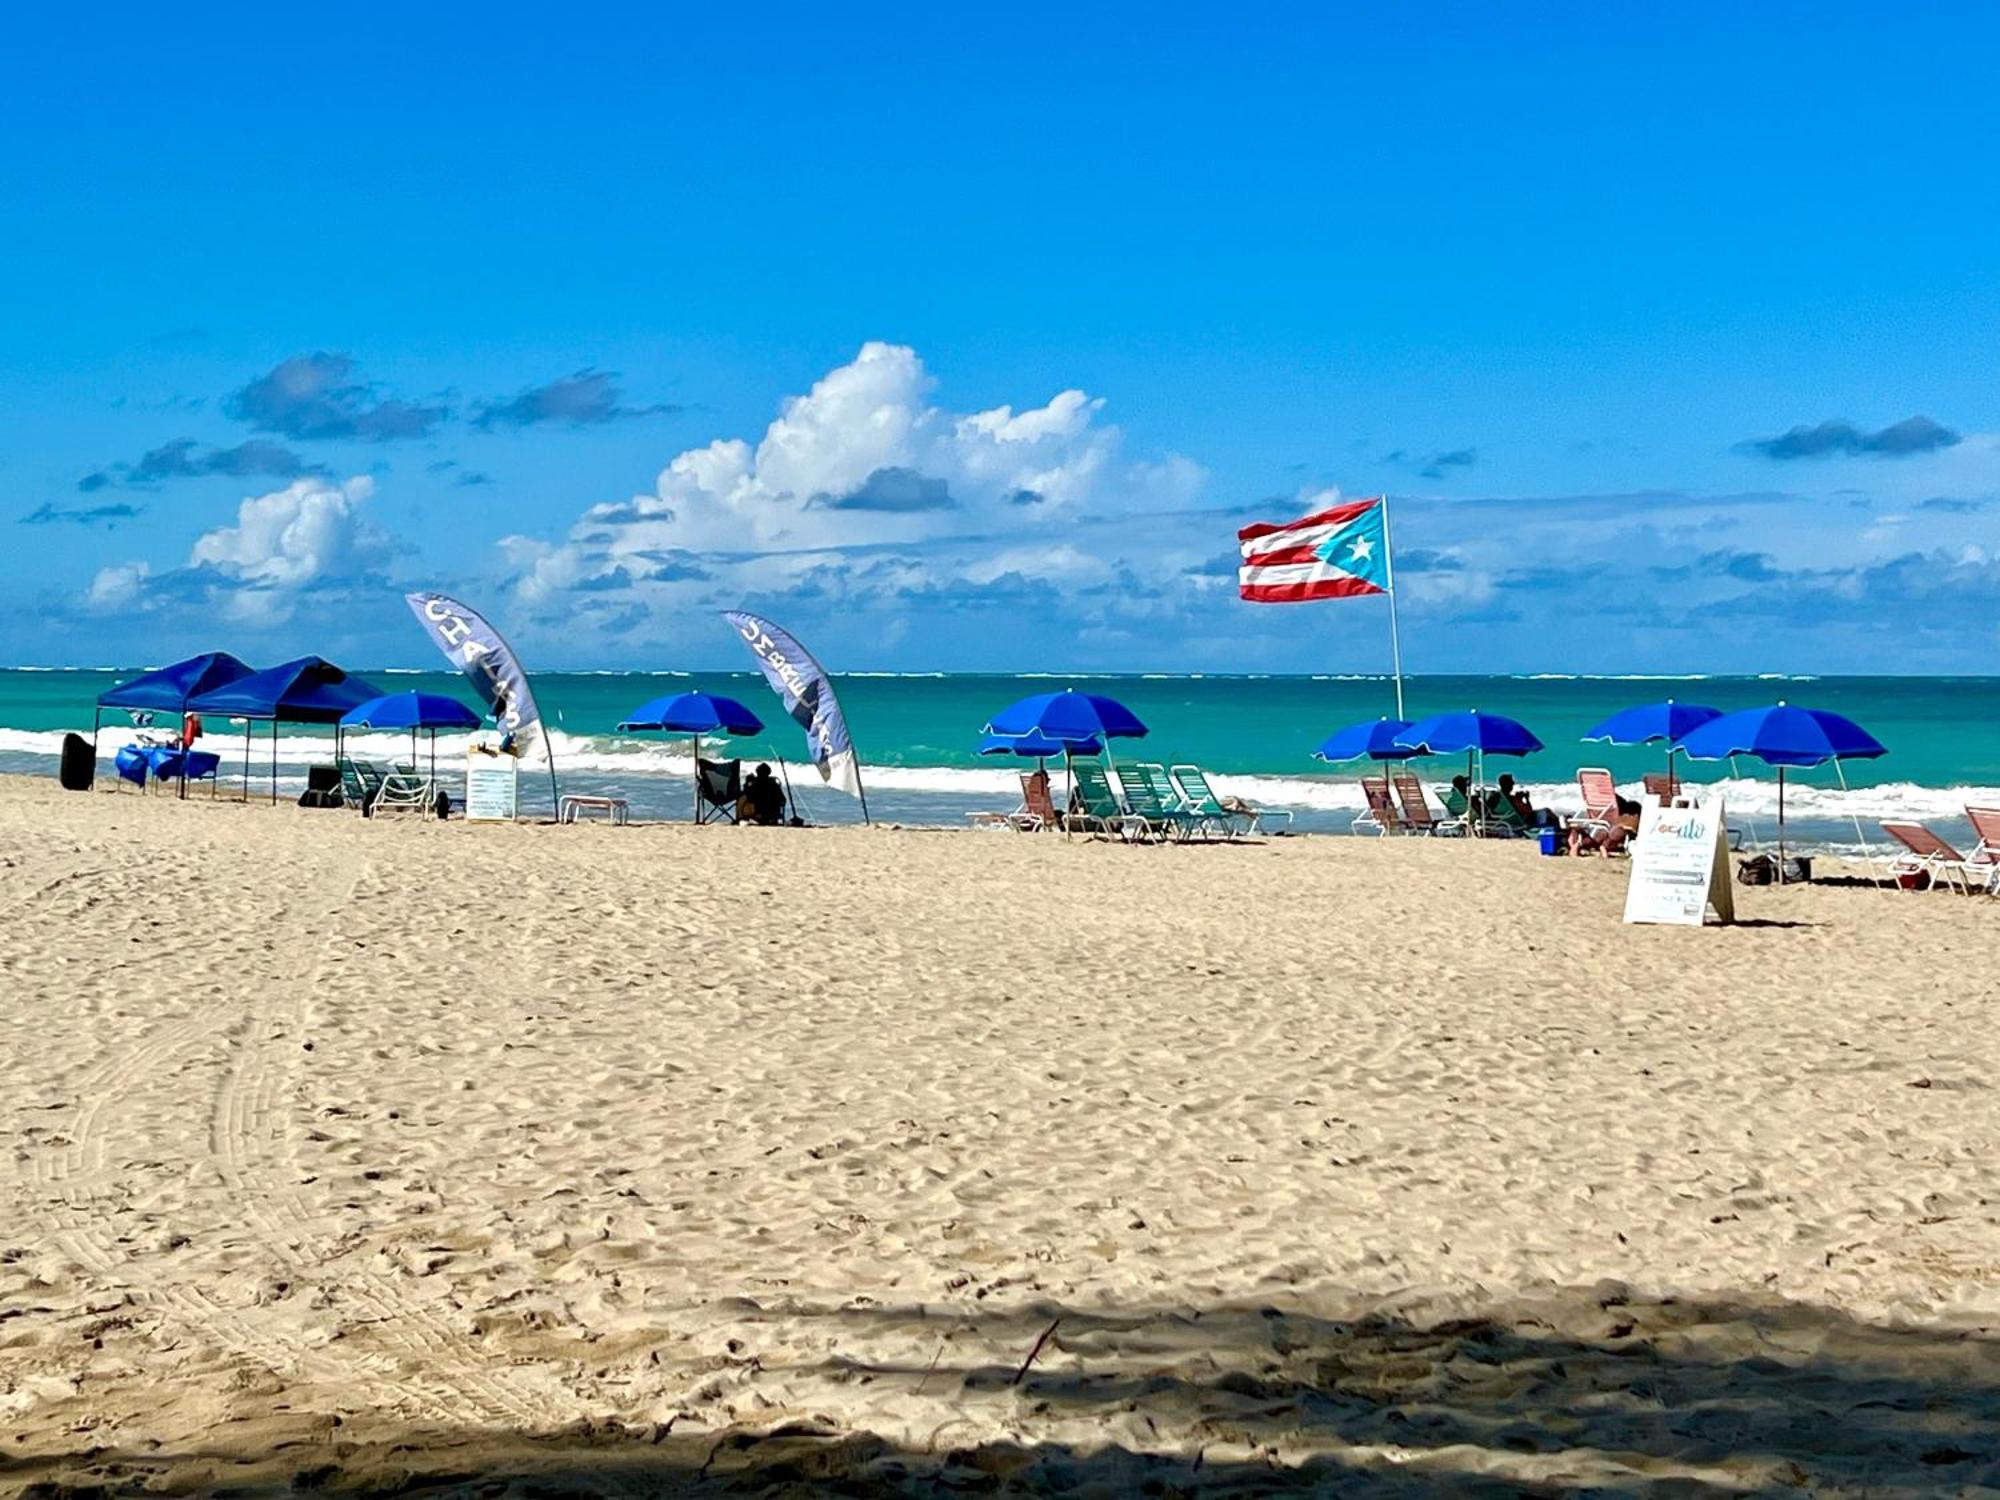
{"type": "Point", "coordinates": [1152, 798]}
{"type": "Point", "coordinates": [1985, 855]}
{"type": "Point", "coordinates": [403, 790]}
{"type": "Point", "coordinates": [1927, 859]}
{"type": "Point", "coordinates": [1199, 797]}
{"type": "Point", "coordinates": [718, 787]}
{"type": "Point", "coordinates": [1457, 810]}
{"type": "Point", "coordinates": [1380, 814]}
{"type": "Point", "coordinates": [1600, 801]}
{"type": "Point", "coordinates": [1661, 787]}
{"type": "Point", "coordinates": [1100, 808]}
{"type": "Point", "coordinates": [1415, 808]}
{"type": "Point", "coordinates": [1504, 819]}
{"type": "Point", "coordinates": [1036, 812]}
{"type": "Point", "coordinates": [360, 783]}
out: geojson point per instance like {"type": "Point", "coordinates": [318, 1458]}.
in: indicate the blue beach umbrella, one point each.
{"type": "Point", "coordinates": [1785, 737]}
{"type": "Point", "coordinates": [1477, 734]}
{"type": "Point", "coordinates": [694, 714]}
{"type": "Point", "coordinates": [1035, 744]}
{"type": "Point", "coordinates": [1651, 723]}
{"type": "Point", "coordinates": [1068, 715]}
{"type": "Point", "coordinates": [412, 711]}
{"type": "Point", "coordinates": [1375, 739]}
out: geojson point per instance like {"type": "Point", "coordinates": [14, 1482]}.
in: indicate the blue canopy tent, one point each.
{"type": "Point", "coordinates": [168, 690]}
{"type": "Point", "coordinates": [1785, 737]}
{"type": "Point", "coordinates": [1373, 738]}
{"type": "Point", "coordinates": [1478, 735]}
{"type": "Point", "coordinates": [1651, 723]}
{"type": "Point", "coordinates": [413, 711]}
{"type": "Point", "coordinates": [309, 690]}
{"type": "Point", "coordinates": [697, 714]}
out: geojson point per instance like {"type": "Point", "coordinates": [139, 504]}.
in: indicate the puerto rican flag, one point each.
{"type": "Point", "coordinates": [1340, 553]}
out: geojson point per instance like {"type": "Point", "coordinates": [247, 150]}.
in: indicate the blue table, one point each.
{"type": "Point", "coordinates": [165, 763]}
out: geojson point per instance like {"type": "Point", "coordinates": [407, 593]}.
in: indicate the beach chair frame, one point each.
{"type": "Point", "coordinates": [1925, 853]}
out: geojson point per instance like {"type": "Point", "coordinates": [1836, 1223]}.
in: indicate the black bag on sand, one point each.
{"type": "Point", "coordinates": [79, 764]}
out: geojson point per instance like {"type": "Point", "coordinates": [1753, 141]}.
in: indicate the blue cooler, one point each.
{"type": "Point", "coordinates": [1552, 841]}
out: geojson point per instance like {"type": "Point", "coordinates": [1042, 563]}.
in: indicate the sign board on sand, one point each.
{"type": "Point", "coordinates": [492, 788]}
{"type": "Point", "coordinates": [1680, 866]}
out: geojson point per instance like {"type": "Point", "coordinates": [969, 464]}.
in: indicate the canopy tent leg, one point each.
{"type": "Point", "coordinates": [274, 763]}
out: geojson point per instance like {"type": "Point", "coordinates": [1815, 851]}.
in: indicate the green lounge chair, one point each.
{"type": "Point", "coordinates": [1200, 798]}
{"type": "Point", "coordinates": [1152, 799]}
{"type": "Point", "coordinates": [360, 784]}
{"type": "Point", "coordinates": [1101, 810]}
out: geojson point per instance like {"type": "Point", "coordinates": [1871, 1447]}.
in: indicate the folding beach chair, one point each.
{"type": "Point", "coordinates": [403, 790]}
{"type": "Point", "coordinates": [718, 785]}
{"type": "Point", "coordinates": [1985, 856]}
{"type": "Point", "coordinates": [1380, 813]}
{"type": "Point", "coordinates": [1457, 810]}
{"type": "Point", "coordinates": [1661, 787]}
{"type": "Point", "coordinates": [1927, 856]}
{"type": "Point", "coordinates": [1415, 807]}
{"type": "Point", "coordinates": [1199, 796]}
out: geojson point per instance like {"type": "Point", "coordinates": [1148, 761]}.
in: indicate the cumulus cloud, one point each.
{"type": "Point", "coordinates": [1902, 439]}
{"type": "Point", "coordinates": [579, 400]}
{"type": "Point", "coordinates": [310, 536]}
{"type": "Point", "coordinates": [184, 458]}
{"type": "Point", "coordinates": [315, 397]}
{"type": "Point", "coordinates": [866, 457]}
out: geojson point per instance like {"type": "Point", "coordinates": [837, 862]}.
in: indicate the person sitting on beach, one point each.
{"type": "Point", "coordinates": [1535, 817]}
{"type": "Point", "coordinates": [764, 798]}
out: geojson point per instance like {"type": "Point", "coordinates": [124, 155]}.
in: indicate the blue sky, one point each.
{"type": "Point", "coordinates": [968, 341]}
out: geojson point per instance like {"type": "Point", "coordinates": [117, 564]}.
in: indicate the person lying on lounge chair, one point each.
{"type": "Point", "coordinates": [1608, 841]}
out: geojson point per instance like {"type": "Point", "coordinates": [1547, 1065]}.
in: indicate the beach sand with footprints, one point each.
{"type": "Point", "coordinates": [364, 1156]}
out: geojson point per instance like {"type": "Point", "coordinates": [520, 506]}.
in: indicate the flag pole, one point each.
{"type": "Point", "coordinates": [1395, 632]}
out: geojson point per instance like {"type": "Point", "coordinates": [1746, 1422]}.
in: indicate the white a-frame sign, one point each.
{"type": "Point", "coordinates": [1680, 866]}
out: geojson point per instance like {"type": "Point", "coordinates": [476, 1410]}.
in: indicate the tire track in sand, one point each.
{"type": "Point", "coordinates": [254, 1148]}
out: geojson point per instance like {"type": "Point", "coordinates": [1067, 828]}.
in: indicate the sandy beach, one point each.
{"type": "Point", "coordinates": [372, 1156]}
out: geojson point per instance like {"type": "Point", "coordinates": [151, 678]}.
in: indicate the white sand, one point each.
{"type": "Point", "coordinates": [342, 1150]}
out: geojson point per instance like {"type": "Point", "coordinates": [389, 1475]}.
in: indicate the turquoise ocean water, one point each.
{"type": "Point", "coordinates": [915, 735]}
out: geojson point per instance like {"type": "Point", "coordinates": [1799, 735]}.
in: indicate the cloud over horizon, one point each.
{"type": "Point", "coordinates": [580, 400]}
{"type": "Point", "coordinates": [1912, 435]}
{"type": "Point", "coordinates": [319, 397]}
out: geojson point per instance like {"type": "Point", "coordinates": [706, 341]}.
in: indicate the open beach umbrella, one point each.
{"type": "Point", "coordinates": [1374, 738]}
{"type": "Point", "coordinates": [1069, 717]}
{"type": "Point", "coordinates": [1478, 735]}
{"type": "Point", "coordinates": [1785, 737]}
{"type": "Point", "coordinates": [1035, 744]}
{"type": "Point", "coordinates": [694, 714]}
{"type": "Point", "coordinates": [1652, 722]}
{"type": "Point", "coordinates": [413, 711]}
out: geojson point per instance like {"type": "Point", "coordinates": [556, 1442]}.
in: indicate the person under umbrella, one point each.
{"type": "Point", "coordinates": [1787, 738]}
{"type": "Point", "coordinates": [1651, 723]}
{"type": "Point", "coordinates": [1478, 735]}
{"type": "Point", "coordinates": [1069, 718]}
{"type": "Point", "coordinates": [694, 714]}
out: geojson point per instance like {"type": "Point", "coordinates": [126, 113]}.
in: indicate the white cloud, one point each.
{"type": "Point", "coordinates": [117, 586]}
{"type": "Point", "coordinates": [308, 530]}
{"type": "Point", "coordinates": [310, 534]}
{"type": "Point", "coordinates": [864, 457]}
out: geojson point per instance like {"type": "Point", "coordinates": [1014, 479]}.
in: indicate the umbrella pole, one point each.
{"type": "Point", "coordinates": [274, 763]}
{"type": "Point", "coordinates": [246, 760]}
{"type": "Point", "coordinates": [697, 778]}
{"type": "Point", "coordinates": [1781, 825]}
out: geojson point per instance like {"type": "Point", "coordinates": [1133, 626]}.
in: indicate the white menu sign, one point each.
{"type": "Point", "coordinates": [1680, 866]}
{"type": "Point", "coordinates": [492, 788]}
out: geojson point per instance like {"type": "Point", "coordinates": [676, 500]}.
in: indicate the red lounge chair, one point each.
{"type": "Point", "coordinates": [1661, 787]}
{"type": "Point", "coordinates": [1928, 856]}
{"type": "Point", "coordinates": [1381, 814]}
{"type": "Point", "coordinates": [1600, 801]}
{"type": "Point", "coordinates": [1417, 815]}
{"type": "Point", "coordinates": [1985, 857]}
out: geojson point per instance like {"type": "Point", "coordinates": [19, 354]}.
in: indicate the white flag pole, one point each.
{"type": "Point", "coordinates": [1395, 633]}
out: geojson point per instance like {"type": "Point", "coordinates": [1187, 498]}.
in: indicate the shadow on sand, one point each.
{"type": "Point", "coordinates": [1584, 1393]}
